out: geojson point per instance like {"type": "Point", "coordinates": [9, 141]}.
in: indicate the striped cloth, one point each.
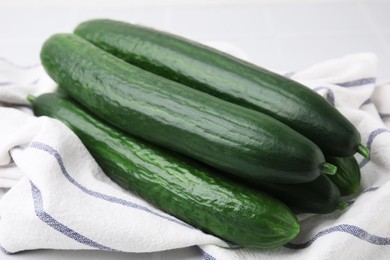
{"type": "Point", "coordinates": [57, 197]}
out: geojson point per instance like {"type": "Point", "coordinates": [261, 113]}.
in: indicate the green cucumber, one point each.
{"type": "Point", "coordinates": [229, 137]}
{"type": "Point", "coordinates": [228, 78]}
{"type": "Point", "coordinates": [320, 196]}
{"type": "Point", "coordinates": [348, 174]}
{"type": "Point", "coordinates": [178, 185]}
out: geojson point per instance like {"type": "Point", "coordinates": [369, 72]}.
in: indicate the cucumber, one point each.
{"type": "Point", "coordinates": [348, 176]}
{"type": "Point", "coordinates": [229, 137]}
{"type": "Point", "coordinates": [320, 196]}
{"type": "Point", "coordinates": [178, 185]}
{"type": "Point", "coordinates": [228, 78]}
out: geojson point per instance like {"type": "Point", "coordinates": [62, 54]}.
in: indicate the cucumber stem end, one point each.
{"type": "Point", "coordinates": [363, 150]}
{"type": "Point", "coordinates": [328, 168]}
{"type": "Point", "coordinates": [31, 99]}
{"type": "Point", "coordinates": [342, 205]}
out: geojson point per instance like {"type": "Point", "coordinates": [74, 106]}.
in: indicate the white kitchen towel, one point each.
{"type": "Point", "coordinates": [61, 199]}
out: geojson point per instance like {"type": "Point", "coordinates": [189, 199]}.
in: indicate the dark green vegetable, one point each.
{"type": "Point", "coordinates": [348, 175]}
{"type": "Point", "coordinates": [318, 196]}
{"type": "Point", "coordinates": [231, 138]}
{"type": "Point", "coordinates": [228, 78]}
{"type": "Point", "coordinates": [178, 185]}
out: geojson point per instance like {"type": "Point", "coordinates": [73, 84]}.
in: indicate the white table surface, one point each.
{"type": "Point", "coordinates": [281, 36]}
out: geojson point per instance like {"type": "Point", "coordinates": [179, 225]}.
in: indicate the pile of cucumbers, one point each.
{"type": "Point", "coordinates": [226, 146]}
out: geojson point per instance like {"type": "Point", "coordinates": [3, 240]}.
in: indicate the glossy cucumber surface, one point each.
{"type": "Point", "coordinates": [320, 196]}
{"type": "Point", "coordinates": [348, 176]}
{"type": "Point", "coordinates": [234, 139]}
{"type": "Point", "coordinates": [228, 78]}
{"type": "Point", "coordinates": [178, 185]}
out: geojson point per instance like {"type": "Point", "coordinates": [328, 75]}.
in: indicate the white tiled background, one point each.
{"type": "Point", "coordinates": [284, 35]}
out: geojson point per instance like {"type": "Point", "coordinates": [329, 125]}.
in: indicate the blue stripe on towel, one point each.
{"type": "Point", "coordinates": [49, 220]}
{"type": "Point", "coordinates": [2, 59]}
{"type": "Point", "coordinates": [371, 189]}
{"type": "Point", "coordinates": [357, 82]}
{"type": "Point", "coordinates": [5, 83]}
{"type": "Point", "coordinates": [5, 251]}
{"type": "Point", "coordinates": [57, 156]}
{"type": "Point", "coordinates": [349, 229]}
{"type": "Point", "coordinates": [329, 94]}
{"type": "Point", "coordinates": [289, 74]}
{"type": "Point", "coordinates": [8, 83]}
{"type": "Point", "coordinates": [384, 115]}
{"type": "Point", "coordinates": [207, 256]}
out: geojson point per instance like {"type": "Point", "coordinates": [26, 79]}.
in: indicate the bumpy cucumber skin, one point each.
{"type": "Point", "coordinates": [226, 136]}
{"type": "Point", "coordinates": [347, 177]}
{"type": "Point", "coordinates": [178, 185]}
{"type": "Point", "coordinates": [228, 78]}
